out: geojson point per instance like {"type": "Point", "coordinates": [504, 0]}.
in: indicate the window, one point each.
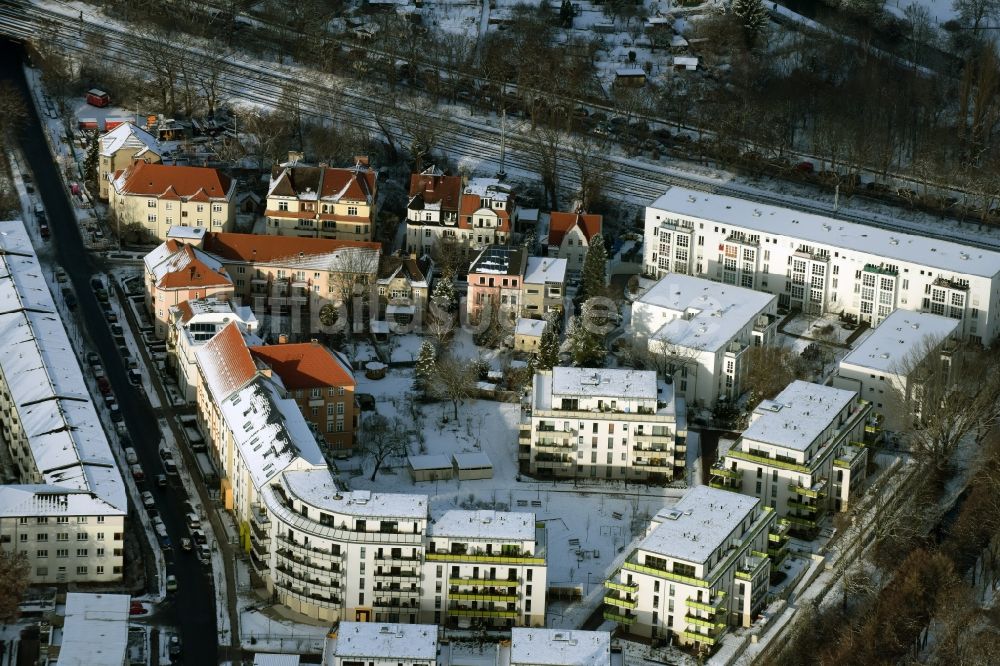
{"type": "Point", "coordinates": [150, 203]}
{"type": "Point", "coordinates": [216, 208]}
{"type": "Point", "coordinates": [151, 218]}
{"type": "Point", "coordinates": [283, 205]}
{"type": "Point", "coordinates": [81, 552]}
{"type": "Point", "coordinates": [62, 552]}
{"type": "Point", "coordinates": [81, 570]}
{"type": "Point", "coordinates": [81, 536]}
{"type": "Point", "coordinates": [100, 570]}
{"type": "Point", "coordinates": [41, 553]}
{"type": "Point", "coordinates": [352, 211]}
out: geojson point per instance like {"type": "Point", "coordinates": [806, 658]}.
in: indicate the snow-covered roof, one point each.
{"type": "Point", "coordinates": [472, 460]}
{"type": "Point", "coordinates": [487, 187]}
{"type": "Point", "coordinates": [485, 524]}
{"type": "Point", "coordinates": [270, 431]}
{"type": "Point", "coordinates": [871, 242]}
{"type": "Point", "coordinates": [798, 415]}
{"type": "Point", "coordinates": [701, 521]}
{"type": "Point", "coordinates": [540, 270]}
{"type": "Point", "coordinates": [600, 382]}
{"type": "Point", "coordinates": [172, 257]}
{"type": "Point", "coordinates": [95, 630]}
{"type": "Point", "coordinates": [186, 233]}
{"type": "Point", "coordinates": [559, 647]}
{"type": "Point", "coordinates": [48, 391]}
{"type": "Point", "coordinates": [378, 640]}
{"type": "Point", "coordinates": [275, 659]}
{"type": "Point", "coordinates": [892, 345]}
{"type": "Point", "coordinates": [696, 313]}
{"type": "Point", "coordinates": [127, 135]}
{"type": "Point", "coordinates": [432, 461]}
{"type": "Point", "coordinates": [317, 487]}
{"type": "Point", "coordinates": [527, 326]}
{"type": "Point", "coordinates": [630, 71]}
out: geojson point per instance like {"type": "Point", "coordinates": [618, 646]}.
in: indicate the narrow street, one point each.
{"type": "Point", "coordinates": [186, 609]}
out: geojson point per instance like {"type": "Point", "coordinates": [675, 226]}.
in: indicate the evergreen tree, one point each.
{"type": "Point", "coordinates": [566, 14]}
{"type": "Point", "coordinates": [444, 294]}
{"type": "Point", "coordinates": [752, 18]}
{"type": "Point", "coordinates": [586, 347]}
{"type": "Point", "coordinates": [91, 161]}
{"type": "Point", "coordinates": [548, 348]}
{"type": "Point", "coordinates": [425, 368]}
{"type": "Point", "coordinates": [595, 266]}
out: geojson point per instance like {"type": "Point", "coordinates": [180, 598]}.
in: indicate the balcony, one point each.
{"type": "Point", "coordinates": [667, 575]}
{"type": "Point", "coordinates": [710, 624]}
{"type": "Point", "coordinates": [752, 567]}
{"type": "Point", "coordinates": [801, 522]}
{"type": "Point", "coordinates": [771, 462]}
{"type": "Point", "coordinates": [407, 593]}
{"type": "Point", "coordinates": [621, 602]}
{"type": "Point", "coordinates": [653, 462]}
{"type": "Point", "coordinates": [483, 582]}
{"type": "Point", "coordinates": [802, 506]}
{"type": "Point", "coordinates": [815, 491]}
{"type": "Point", "coordinates": [406, 560]}
{"type": "Point", "coordinates": [396, 576]}
{"type": "Point", "coordinates": [650, 437]}
{"type": "Point", "coordinates": [727, 473]}
{"type": "Point", "coordinates": [483, 612]}
{"type": "Point", "coordinates": [477, 558]}
{"type": "Point", "coordinates": [621, 587]}
{"type": "Point", "coordinates": [304, 577]}
{"type": "Point", "coordinates": [386, 607]}
{"type": "Point", "coordinates": [474, 596]}
{"type": "Point", "coordinates": [700, 638]}
{"type": "Point", "coordinates": [655, 449]}
{"type": "Point", "coordinates": [548, 444]}
{"type": "Point", "coordinates": [312, 552]}
{"type": "Point", "coordinates": [779, 534]}
{"type": "Point", "coordinates": [314, 599]}
{"type": "Point", "coordinates": [713, 606]}
{"type": "Point", "coordinates": [620, 618]}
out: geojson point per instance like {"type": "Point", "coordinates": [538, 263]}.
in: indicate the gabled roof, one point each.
{"type": "Point", "coordinates": [190, 268]}
{"type": "Point", "coordinates": [226, 363]}
{"type": "Point", "coordinates": [291, 181]}
{"type": "Point", "coordinates": [276, 249]}
{"type": "Point", "coordinates": [357, 183]}
{"type": "Point", "coordinates": [431, 187]}
{"type": "Point", "coordinates": [561, 223]}
{"type": "Point", "coordinates": [173, 182]}
{"type": "Point", "coordinates": [305, 365]}
{"type": "Point", "coordinates": [127, 135]}
{"type": "Point", "coordinates": [393, 266]}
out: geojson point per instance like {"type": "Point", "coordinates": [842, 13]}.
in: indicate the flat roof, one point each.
{"type": "Point", "coordinates": [317, 487]}
{"type": "Point", "coordinates": [473, 460]}
{"type": "Point", "coordinates": [65, 435]}
{"type": "Point", "coordinates": [877, 244]}
{"type": "Point", "coordinates": [560, 647]}
{"type": "Point", "coordinates": [540, 270]}
{"type": "Point", "coordinates": [432, 461]}
{"type": "Point", "coordinates": [95, 630]}
{"type": "Point", "coordinates": [798, 415]}
{"type": "Point", "coordinates": [697, 313]}
{"type": "Point", "coordinates": [694, 528]}
{"type": "Point", "coordinates": [485, 524]}
{"type": "Point", "coordinates": [892, 345]}
{"type": "Point", "coordinates": [274, 659]}
{"type": "Point", "coordinates": [383, 640]}
{"type": "Point", "coordinates": [192, 233]}
{"type": "Point", "coordinates": [600, 382]}
{"type": "Point", "coordinates": [525, 326]}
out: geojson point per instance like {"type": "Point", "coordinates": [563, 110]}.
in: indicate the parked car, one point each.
{"type": "Point", "coordinates": [186, 544]}
{"type": "Point", "coordinates": [69, 298]}
{"type": "Point", "coordinates": [171, 468]}
{"type": "Point", "coordinates": [161, 480]}
{"type": "Point", "coordinates": [103, 385]}
{"type": "Point", "coordinates": [147, 499]}
{"type": "Point", "coordinates": [116, 414]}
{"type": "Point", "coordinates": [102, 295]}
{"type": "Point", "coordinates": [111, 317]}
{"type": "Point", "coordinates": [204, 553]}
{"type": "Point", "coordinates": [135, 377]}
{"type": "Point", "coordinates": [166, 455]}
{"type": "Point", "coordinates": [193, 521]}
{"type": "Point", "coordinates": [172, 587]}
{"type": "Point", "coordinates": [96, 283]}
{"type": "Point", "coordinates": [93, 359]}
{"type": "Point", "coordinates": [174, 642]}
{"type": "Point", "coordinates": [43, 229]}
{"type": "Point", "coordinates": [131, 456]}
{"type": "Point", "coordinates": [117, 331]}
{"type": "Point", "coordinates": [137, 472]}
{"type": "Point", "coordinates": [137, 608]}
{"type": "Point", "coordinates": [199, 537]}
{"type": "Point", "coordinates": [61, 276]}
{"type": "Point", "coordinates": [99, 373]}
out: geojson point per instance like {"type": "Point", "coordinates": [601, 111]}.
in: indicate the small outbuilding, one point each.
{"type": "Point", "coordinates": [475, 465]}
{"type": "Point", "coordinates": [528, 334]}
{"type": "Point", "coordinates": [430, 468]}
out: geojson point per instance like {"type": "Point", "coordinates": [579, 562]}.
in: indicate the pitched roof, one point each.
{"type": "Point", "coordinates": [170, 181]}
{"type": "Point", "coordinates": [561, 223]}
{"type": "Point", "coordinates": [127, 135]}
{"type": "Point", "coordinates": [500, 259]}
{"type": "Point", "coordinates": [432, 188]}
{"type": "Point", "coordinates": [189, 268]}
{"type": "Point", "coordinates": [393, 265]}
{"type": "Point", "coordinates": [273, 249]}
{"type": "Point", "coordinates": [226, 363]}
{"type": "Point", "coordinates": [357, 183]}
{"type": "Point", "coordinates": [305, 365]}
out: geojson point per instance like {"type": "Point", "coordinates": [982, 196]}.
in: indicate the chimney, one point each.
{"type": "Point", "coordinates": [265, 371]}
{"type": "Point", "coordinates": [295, 156]}
{"type": "Point", "coordinates": [282, 338]}
{"type": "Point", "coordinates": [361, 160]}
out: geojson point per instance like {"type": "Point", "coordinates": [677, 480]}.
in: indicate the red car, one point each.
{"type": "Point", "coordinates": [104, 386]}
{"type": "Point", "coordinates": [804, 167]}
{"type": "Point", "coordinates": [136, 608]}
{"type": "Point", "coordinates": [44, 229]}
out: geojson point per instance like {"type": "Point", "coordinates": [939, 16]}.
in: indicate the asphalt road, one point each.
{"type": "Point", "coordinates": [192, 607]}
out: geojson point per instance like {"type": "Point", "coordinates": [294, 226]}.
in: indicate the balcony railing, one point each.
{"type": "Point", "coordinates": [802, 506]}
{"type": "Point", "coordinates": [392, 575]}
{"type": "Point", "coordinates": [712, 625]}
{"type": "Point", "coordinates": [764, 460]}
{"type": "Point", "coordinates": [495, 559]}
{"type": "Point", "coordinates": [754, 568]}
{"type": "Point", "coordinates": [727, 473]}
{"type": "Point", "coordinates": [381, 592]}
{"type": "Point", "coordinates": [621, 587]}
{"type": "Point", "coordinates": [701, 638]}
{"type": "Point", "coordinates": [817, 490]}
{"type": "Point", "coordinates": [714, 606]}
{"type": "Point", "coordinates": [322, 553]}
{"type": "Point", "coordinates": [668, 575]}
{"type": "Point", "coordinates": [483, 582]}
{"type": "Point", "coordinates": [483, 612]}
{"type": "Point", "coordinates": [620, 618]}
{"type": "Point", "coordinates": [472, 596]}
{"type": "Point", "coordinates": [304, 577]}
{"type": "Point", "coordinates": [330, 567]}
{"type": "Point", "coordinates": [405, 559]}
{"type": "Point", "coordinates": [799, 521]}
{"type": "Point", "coordinates": [621, 602]}
{"type": "Point", "coordinates": [315, 599]}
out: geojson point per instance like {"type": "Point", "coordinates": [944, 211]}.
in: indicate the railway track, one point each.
{"type": "Point", "coordinates": [327, 99]}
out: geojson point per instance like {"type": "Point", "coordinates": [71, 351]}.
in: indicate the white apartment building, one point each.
{"type": "Point", "coordinates": [702, 567]}
{"type": "Point", "coordinates": [487, 568]}
{"type": "Point", "coordinates": [803, 454]}
{"type": "Point", "coordinates": [601, 423]}
{"type": "Point", "coordinates": [702, 330]}
{"type": "Point", "coordinates": [334, 554]}
{"type": "Point", "coordinates": [379, 644]}
{"type": "Point", "coordinates": [559, 647]}
{"type": "Point", "coordinates": [93, 631]}
{"type": "Point", "coordinates": [64, 501]}
{"type": "Point", "coordinates": [821, 264]}
{"type": "Point", "coordinates": [879, 367]}
{"type": "Point", "coordinates": [195, 322]}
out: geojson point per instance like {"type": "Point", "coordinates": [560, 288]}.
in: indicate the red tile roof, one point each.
{"type": "Point", "coordinates": [305, 365]}
{"type": "Point", "coordinates": [254, 247]}
{"type": "Point", "coordinates": [434, 188]}
{"type": "Point", "coordinates": [357, 183]}
{"type": "Point", "coordinates": [226, 362]}
{"type": "Point", "coordinates": [560, 223]}
{"type": "Point", "coordinates": [193, 273]}
{"type": "Point", "coordinates": [470, 204]}
{"type": "Point", "coordinates": [174, 182]}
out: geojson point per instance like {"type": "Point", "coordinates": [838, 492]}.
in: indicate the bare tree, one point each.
{"type": "Point", "coordinates": [382, 438]}
{"type": "Point", "coordinates": [355, 272]}
{"type": "Point", "coordinates": [260, 134]}
{"type": "Point", "coordinates": [14, 570]}
{"type": "Point", "coordinates": [13, 112]}
{"type": "Point", "coordinates": [454, 380]}
{"type": "Point", "coordinates": [588, 157]}
{"type": "Point", "coordinates": [770, 369]}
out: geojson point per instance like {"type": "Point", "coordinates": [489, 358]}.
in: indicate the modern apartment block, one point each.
{"type": "Point", "coordinates": [820, 264]}
{"type": "Point", "coordinates": [490, 568]}
{"type": "Point", "coordinates": [155, 197]}
{"type": "Point", "coordinates": [700, 331]}
{"type": "Point", "coordinates": [884, 367]}
{"type": "Point", "coordinates": [380, 644]}
{"type": "Point", "coordinates": [702, 568]}
{"type": "Point", "coordinates": [322, 202]}
{"type": "Point", "coordinates": [601, 423]}
{"type": "Point", "coordinates": [63, 503]}
{"type": "Point", "coordinates": [803, 454]}
{"type": "Point", "coordinates": [334, 554]}
{"type": "Point", "coordinates": [321, 381]}
{"type": "Point", "coordinates": [559, 647]}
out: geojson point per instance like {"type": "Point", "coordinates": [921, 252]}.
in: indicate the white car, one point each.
{"type": "Point", "coordinates": [147, 499]}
